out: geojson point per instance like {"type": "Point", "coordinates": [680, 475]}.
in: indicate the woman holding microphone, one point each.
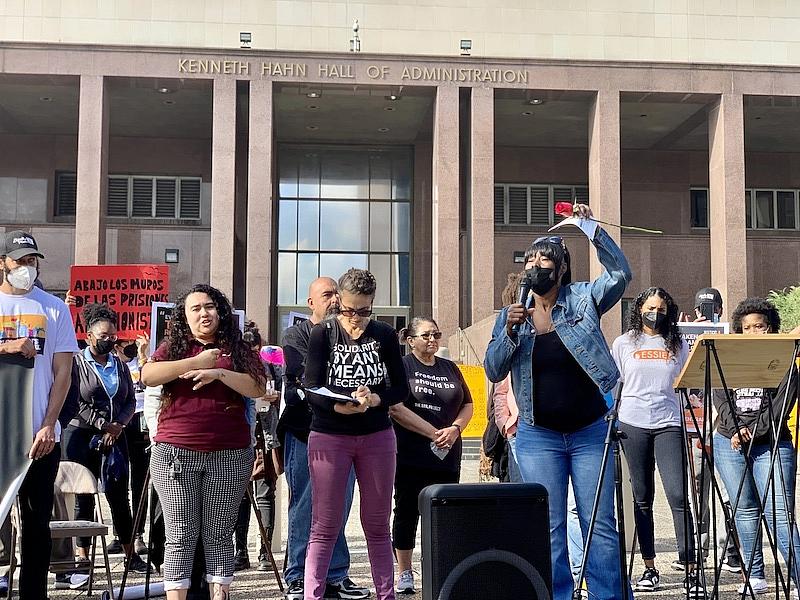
{"type": "Point", "coordinates": [560, 368]}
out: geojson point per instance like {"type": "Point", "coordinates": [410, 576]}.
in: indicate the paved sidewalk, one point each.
{"type": "Point", "coordinates": [252, 584]}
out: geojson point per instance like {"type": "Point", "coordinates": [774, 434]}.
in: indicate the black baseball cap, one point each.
{"type": "Point", "coordinates": [17, 244]}
{"type": "Point", "coordinates": [708, 295]}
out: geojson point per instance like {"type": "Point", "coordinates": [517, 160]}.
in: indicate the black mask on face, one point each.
{"type": "Point", "coordinates": [130, 351]}
{"type": "Point", "coordinates": [542, 280]}
{"type": "Point", "coordinates": [103, 346]}
{"type": "Point", "coordinates": [654, 319]}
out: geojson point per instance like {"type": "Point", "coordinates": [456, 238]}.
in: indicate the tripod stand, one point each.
{"type": "Point", "coordinates": [611, 444]}
{"type": "Point", "coordinates": [751, 361]}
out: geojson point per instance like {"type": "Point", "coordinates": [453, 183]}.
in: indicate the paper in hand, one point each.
{"type": "Point", "coordinates": [587, 226]}
{"type": "Point", "coordinates": [323, 391]}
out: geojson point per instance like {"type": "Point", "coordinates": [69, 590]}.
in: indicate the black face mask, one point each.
{"type": "Point", "coordinates": [103, 346]}
{"type": "Point", "coordinates": [541, 280]}
{"type": "Point", "coordinates": [130, 351]}
{"type": "Point", "coordinates": [654, 319]}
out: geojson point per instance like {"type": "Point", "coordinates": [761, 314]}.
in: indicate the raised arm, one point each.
{"type": "Point", "coordinates": [608, 289]}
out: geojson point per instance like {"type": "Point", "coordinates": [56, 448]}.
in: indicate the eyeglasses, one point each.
{"type": "Point", "coordinates": [436, 335]}
{"type": "Point", "coordinates": [352, 312]}
{"type": "Point", "coordinates": [104, 337]}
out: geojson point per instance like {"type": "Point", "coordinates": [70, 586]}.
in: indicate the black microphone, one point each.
{"type": "Point", "coordinates": [525, 297]}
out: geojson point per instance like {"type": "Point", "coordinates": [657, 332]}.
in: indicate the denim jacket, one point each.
{"type": "Point", "coordinates": [576, 319]}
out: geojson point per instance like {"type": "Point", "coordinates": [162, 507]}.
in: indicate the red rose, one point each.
{"type": "Point", "coordinates": [564, 209]}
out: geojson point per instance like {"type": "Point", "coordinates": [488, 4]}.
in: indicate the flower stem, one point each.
{"type": "Point", "coordinates": [630, 227]}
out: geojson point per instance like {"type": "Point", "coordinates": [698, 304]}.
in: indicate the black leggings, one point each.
{"type": "Point", "coordinates": [643, 449]}
{"type": "Point", "coordinates": [75, 443]}
{"type": "Point", "coordinates": [408, 483]}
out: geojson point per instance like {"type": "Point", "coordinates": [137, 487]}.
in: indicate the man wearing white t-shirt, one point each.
{"type": "Point", "coordinates": [36, 325]}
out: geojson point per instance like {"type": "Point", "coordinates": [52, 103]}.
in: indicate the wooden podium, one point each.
{"type": "Point", "coordinates": [745, 360]}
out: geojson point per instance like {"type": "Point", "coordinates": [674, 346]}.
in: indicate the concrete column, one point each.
{"type": "Point", "coordinates": [223, 185]}
{"type": "Point", "coordinates": [260, 206]}
{"type": "Point", "coordinates": [726, 199]}
{"type": "Point", "coordinates": [481, 206]}
{"type": "Point", "coordinates": [92, 185]}
{"type": "Point", "coordinates": [604, 185]}
{"type": "Point", "coordinates": [445, 199]}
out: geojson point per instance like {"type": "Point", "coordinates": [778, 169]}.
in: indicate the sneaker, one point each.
{"type": "Point", "coordinates": [3, 586]}
{"type": "Point", "coordinates": [648, 582]}
{"type": "Point", "coordinates": [241, 562]}
{"type": "Point", "coordinates": [759, 585]}
{"type": "Point", "coordinates": [139, 546]}
{"type": "Point", "coordinates": [263, 563]}
{"type": "Point", "coordinates": [294, 590]}
{"type": "Point", "coordinates": [405, 583]}
{"type": "Point", "coordinates": [70, 581]}
{"type": "Point", "coordinates": [350, 590]}
{"type": "Point", "coordinates": [137, 564]}
{"type": "Point", "coordinates": [732, 564]}
{"type": "Point", "coordinates": [115, 547]}
{"type": "Point", "coordinates": [694, 586]}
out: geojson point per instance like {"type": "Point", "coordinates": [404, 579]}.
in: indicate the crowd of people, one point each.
{"type": "Point", "coordinates": [201, 414]}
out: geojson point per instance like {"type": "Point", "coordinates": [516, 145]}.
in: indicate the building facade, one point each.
{"type": "Point", "coordinates": [134, 134]}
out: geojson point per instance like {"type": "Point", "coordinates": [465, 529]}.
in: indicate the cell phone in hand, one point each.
{"type": "Point", "coordinates": [707, 310]}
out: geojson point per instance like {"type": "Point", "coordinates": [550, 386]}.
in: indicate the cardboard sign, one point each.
{"type": "Point", "coordinates": [128, 289]}
{"type": "Point", "coordinates": [160, 315]}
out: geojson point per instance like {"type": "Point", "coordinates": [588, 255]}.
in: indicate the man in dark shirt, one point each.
{"type": "Point", "coordinates": [294, 427]}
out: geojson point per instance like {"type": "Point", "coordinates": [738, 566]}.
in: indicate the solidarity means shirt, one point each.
{"type": "Point", "coordinates": [436, 393]}
{"type": "Point", "coordinates": [647, 373]}
{"type": "Point", "coordinates": [340, 363]}
{"type": "Point", "coordinates": [46, 321]}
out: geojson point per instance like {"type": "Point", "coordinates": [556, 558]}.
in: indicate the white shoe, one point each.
{"type": "Point", "coordinates": [759, 585]}
{"type": "Point", "coordinates": [405, 583]}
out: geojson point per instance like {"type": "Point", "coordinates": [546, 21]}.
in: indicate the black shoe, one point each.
{"type": "Point", "coordinates": [241, 562]}
{"type": "Point", "coordinates": [732, 564]}
{"type": "Point", "coordinates": [294, 590]}
{"type": "Point", "coordinates": [139, 546]}
{"type": "Point", "coordinates": [115, 547]}
{"type": "Point", "coordinates": [137, 564]}
{"type": "Point", "coordinates": [694, 585]}
{"type": "Point", "coordinates": [347, 589]}
{"type": "Point", "coordinates": [648, 582]}
{"type": "Point", "coordinates": [263, 563]}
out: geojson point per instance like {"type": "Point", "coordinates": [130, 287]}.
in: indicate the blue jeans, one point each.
{"type": "Point", "coordinates": [295, 459]}
{"type": "Point", "coordinates": [731, 466]}
{"type": "Point", "coordinates": [514, 476]}
{"type": "Point", "coordinates": [552, 459]}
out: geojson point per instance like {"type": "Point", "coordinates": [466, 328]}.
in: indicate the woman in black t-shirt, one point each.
{"type": "Point", "coordinates": [751, 426]}
{"type": "Point", "coordinates": [428, 427]}
{"type": "Point", "coordinates": [354, 373]}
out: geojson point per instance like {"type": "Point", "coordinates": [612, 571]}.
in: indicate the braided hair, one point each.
{"type": "Point", "coordinates": [228, 338]}
{"type": "Point", "coordinates": [97, 313]}
{"type": "Point", "coordinates": [669, 327]}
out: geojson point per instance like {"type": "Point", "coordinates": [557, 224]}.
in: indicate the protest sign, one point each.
{"type": "Point", "coordinates": [690, 331]}
{"type": "Point", "coordinates": [16, 399]}
{"type": "Point", "coordinates": [128, 289]}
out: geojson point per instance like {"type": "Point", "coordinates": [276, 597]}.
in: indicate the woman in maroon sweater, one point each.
{"type": "Point", "coordinates": [202, 458]}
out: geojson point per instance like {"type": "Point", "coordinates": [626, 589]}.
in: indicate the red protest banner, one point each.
{"type": "Point", "coordinates": [128, 289]}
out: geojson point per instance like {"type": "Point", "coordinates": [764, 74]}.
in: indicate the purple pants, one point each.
{"type": "Point", "coordinates": [330, 458]}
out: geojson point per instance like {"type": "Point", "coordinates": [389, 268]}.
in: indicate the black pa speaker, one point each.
{"type": "Point", "coordinates": [485, 540]}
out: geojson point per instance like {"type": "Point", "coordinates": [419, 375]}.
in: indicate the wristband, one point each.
{"type": "Point", "coordinates": [457, 426]}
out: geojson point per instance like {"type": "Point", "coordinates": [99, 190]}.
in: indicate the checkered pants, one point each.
{"type": "Point", "coordinates": [202, 499]}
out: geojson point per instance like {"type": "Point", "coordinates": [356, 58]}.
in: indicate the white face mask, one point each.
{"type": "Point", "coordinates": [22, 278]}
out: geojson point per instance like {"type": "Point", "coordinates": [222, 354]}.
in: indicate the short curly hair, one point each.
{"type": "Point", "coordinates": [358, 281]}
{"type": "Point", "coordinates": [760, 306]}
{"type": "Point", "coordinates": [96, 313]}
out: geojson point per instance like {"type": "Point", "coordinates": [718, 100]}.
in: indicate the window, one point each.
{"type": "Point", "coordinates": [533, 204]}
{"type": "Point", "coordinates": [137, 196]}
{"type": "Point", "coordinates": [775, 209]}
{"type": "Point", "coordinates": [343, 207]}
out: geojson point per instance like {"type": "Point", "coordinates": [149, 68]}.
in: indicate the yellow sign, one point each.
{"type": "Point", "coordinates": [476, 382]}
